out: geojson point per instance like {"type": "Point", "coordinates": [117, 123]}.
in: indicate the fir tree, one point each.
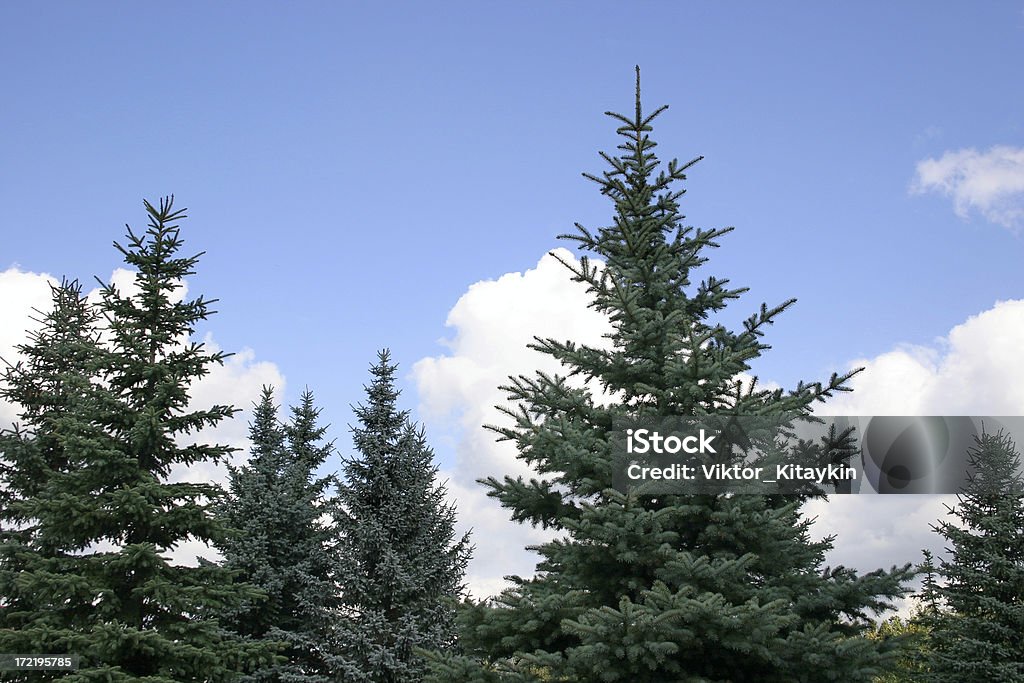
{"type": "Point", "coordinates": [280, 544]}
{"type": "Point", "coordinates": [668, 588]}
{"type": "Point", "coordinates": [95, 579]}
{"type": "Point", "coordinates": [975, 598]}
{"type": "Point", "coordinates": [400, 564]}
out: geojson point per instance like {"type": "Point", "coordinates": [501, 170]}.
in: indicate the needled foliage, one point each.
{"type": "Point", "coordinates": [280, 542]}
{"type": "Point", "coordinates": [91, 509]}
{"type": "Point", "coordinates": [644, 588]}
{"type": "Point", "coordinates": [975, 598]}
{"type": "Point", "coordinates": [400, 561]}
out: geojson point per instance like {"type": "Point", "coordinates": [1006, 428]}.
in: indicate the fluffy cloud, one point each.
{"type": "Point", "coordinates": [21, 295]}
{"type": "Point", "coordinates": [974, 370]}
{"type": "Point", "coordinates": [990, 182]}
{"type": "Point", "coordinates": [493, 322]}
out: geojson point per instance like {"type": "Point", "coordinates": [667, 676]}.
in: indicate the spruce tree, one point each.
{"type": "Point", "coordinates": [975, 598]}
{"type": "Point", "coordinates": [400, 563]}
{"type": "Point", "coordinates": [279, 542]}
{"type": "Point", "coordinates": [36, 461]}
{"type": "Point", "coordinates": [641, 588]}
{"type": "Point", "coordinates": [95, 577]}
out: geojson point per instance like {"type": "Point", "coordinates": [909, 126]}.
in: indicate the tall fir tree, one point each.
{"type": "Point", "coordinates": [662, 588]}
{"type": "Point", "coordinates": [400, 563]}
{"type": "Point", "coordinates": [975, 598]}
{"type": "Point", "coordinates": [95, 580]}
{"type": "Point", "coordinates": [281, 544]}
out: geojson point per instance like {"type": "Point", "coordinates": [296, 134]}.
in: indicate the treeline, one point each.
{"type": "Point", "coordinates": [355, 577]}
{"type": "Point", "coordinates": [323, 578]}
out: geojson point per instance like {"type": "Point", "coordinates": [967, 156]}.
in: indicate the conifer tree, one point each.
{"type": "Point", "coordinates": [644, 588]}
{"type": "Point", "coordinates": [975, 598]}
{"type": "Point", "coordinates": [280, 544]}
{"type": "Point", "coordinates": [400, 563]}
{"type": "Point", "coordinates": [96, 580]}
{"type": "Point", "coordinates": [51, 381]}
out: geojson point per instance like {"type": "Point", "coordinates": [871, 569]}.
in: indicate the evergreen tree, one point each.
{"type": "Point", "coordinates": [672, 587]}
{"type": "Point", "coordinates": [94, 579]}
{"type": "Point", "coordinates": [400, 564]}
{"type": "Point", "coordinates": [281, 545]}
{"type": "Point", "coordinates": [975, 598]}
{"type": "Point", "coordinates": [51, 381]}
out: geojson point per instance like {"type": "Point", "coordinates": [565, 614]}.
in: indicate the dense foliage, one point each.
{"type": "Point", "coordinates": [90, 508]}
{"type": "Point", "coordinates": [400, 563]}
{"type": "Point", "coordinates": [671, 587]}
{"type": "Point", "coordinates": [281, 543]}
{"type": "Point", "coordinates": [975, 597]}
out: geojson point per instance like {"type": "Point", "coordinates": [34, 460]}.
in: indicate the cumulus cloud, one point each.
{"type": "Point", "coordinates": [991, 182]}
{"type": "Point", "coordinates": [493, 323]}
{"type": "Point", "coordinates": [976, 369]}
{"type": "Point", "coordinates": [22, 294]}
{"type": "Point", "coordinates": [973, 370]}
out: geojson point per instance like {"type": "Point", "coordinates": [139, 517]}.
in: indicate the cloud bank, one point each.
{"type": "Point", "coordinates": [991, 183]}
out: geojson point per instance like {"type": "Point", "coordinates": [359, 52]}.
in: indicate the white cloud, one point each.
{"type": "Point", "coordinates": [990, 182]}
{"type": "Point", "coordinates": [974, 370]}
{"type": "Point", "coordinates": [493, 322]}
{"type": "Point", "coordinates": [21, 295]}
{"type": "Point", "coordinates": [977, 369]}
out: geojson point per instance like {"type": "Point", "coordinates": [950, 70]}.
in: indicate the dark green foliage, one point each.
{"type": "Point", "coordinates": [400, 564]}
{"type": "Point", "coordinates": [914, 636]}
{"type": "Point", "coordinates": [90, 512]}
{"type": "Point", "coordinates": [975, 598]}
{"type": "Point", "coordinates": [35, 542]}
{"type": "Point", "coordinates": [281, 545]}
{"type": "Point", "coordinates": [667, 588]}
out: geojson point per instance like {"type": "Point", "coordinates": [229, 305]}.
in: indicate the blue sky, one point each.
{"type": "Point", "coordinates": [352, 169]}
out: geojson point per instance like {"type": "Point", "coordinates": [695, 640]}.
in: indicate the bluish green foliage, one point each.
{"type": "Point", "coordinates": [400, 563]}
{"type": "Point", "coordinates": [975, 598]}
{"type": "Point", "coordinates": [662, 588]}
{"type": "Point", "coordinates": [90, 511]}
{"type": "Point", "coordinates": [280, 543]}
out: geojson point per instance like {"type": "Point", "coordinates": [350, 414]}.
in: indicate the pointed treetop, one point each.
{"type": "Point", "coordinates": [265, 432]}
{"type": "Point", "coordinates": [382, 392]}
{"type": "Point", "coordinates": [638, 110]}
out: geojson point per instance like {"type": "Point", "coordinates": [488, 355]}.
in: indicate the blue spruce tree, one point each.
{"type": "Point", "coordinates": [281, 544]}
{"type": "Point", "coordinates": [640, 588]}
{"type": "Point", "coordinates": [975, 597]}
{"type": "Point", "coordinates": [400, 563]}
